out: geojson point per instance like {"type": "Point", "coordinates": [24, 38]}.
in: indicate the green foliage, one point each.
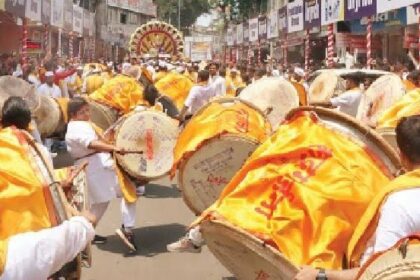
{"type": "Point", "coordinates": [190, 10]}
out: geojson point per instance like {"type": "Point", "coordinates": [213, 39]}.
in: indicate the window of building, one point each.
{"type": "Point", "coordinates": [123, 18]}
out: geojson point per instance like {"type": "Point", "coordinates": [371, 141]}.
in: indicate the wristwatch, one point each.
{"type": "Point", "coordinates": [321, 275]}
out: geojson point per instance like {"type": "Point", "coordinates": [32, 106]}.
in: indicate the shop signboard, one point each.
{"type": "Point", "coordinates": [312, 13]}
{"type": "Point", "coordinates": [57, 13]}
{"type": "Point", "coordinates": [33, 10]}
{"type": "Point", "coordinates": [332, 11]}
{"type": "Point", "coordinates": [68, 15]}
{"type": "Point", "coordinates": [380, 21]}
{"type": "Point", "coordinates": [253, 30]}
{"type": "Point", "coordinates": [246, 32]}
{"type": "Point", "coordinates": [15, 7]}
{"type": "Point", "coordinates": [86, 22]}
{"type": "Point", "coordinates": [78, 19]}
{"type": "Point", "coordinates": [356, 9]}
{"type": "Point", "coordinates": [387, 5]}
{"type": "Point", "coordinates": [229, 36]}
{"type": "Point", "coordinates": [282, 20]}
{"type": "Point", "coordinates": [273, 29]}
{"type": "Point", "coordinates": [240, 33]}
{"type": "Point", "coordinates": [295, 16]}
{"type": "Point", "coordinates": [46, 11]}
{"type": "Point", "coordinates": [413, 14]}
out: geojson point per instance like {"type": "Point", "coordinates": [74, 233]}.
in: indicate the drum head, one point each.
{"type": "Point", "coordinates": [381, 95]}
{"type": "Point", "coordinates": [325, 86]}
{"type": "Point", "coordinates": [385, 155]}
{"type": "Point", "coordinates": [101, 115]}
{"type": "Point", "coordinates": [48, 116]}
{"type": "Point", "coordinates": [244, 255]}
{"type": "Point", "coordinates": [12, 86]}
{"type": "Point", "coordinates": [155, 134]}
{"type": "Point", "coordinates": [205, 173]}
{"type": "Point", "coordinates": [275, 93]}
{"type": "Point", "coordinates": [392, 266]}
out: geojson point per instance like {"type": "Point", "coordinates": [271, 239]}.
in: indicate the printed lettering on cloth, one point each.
{"type": "Point", "coordinates": [295, 16]}
{"type": "Point", "coordinates": [303, 191]}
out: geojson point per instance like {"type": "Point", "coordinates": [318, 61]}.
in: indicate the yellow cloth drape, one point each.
{"type": "Point", "coordinates": [160, 75]}
{"type": "Point", "coordinates": [63, 103]}
{"type": "Point", "coordinates": [191, 76]}
{"type": "Point", "coordinates": [233, 84]}
{"type": "Point", "coordinates": [76, 86]}
{"type": "Point", "coordinates": [303, 101]}
{"type": "Point", "coordinates": [176, 87]}
{"type": "Point", "coordinates": [408, 105]}
{"type": "Point", "coordinates": [128, 188]}
{"type": "Point", "coordinates": [216, 120]}
{"type": "Point", "coordinates": [369, 221]}
{"type": "Point", "coordinates": [409, 86]}
{"type": "Point", "coordinates": [122, 93]}
{"type": "Point", "coordinates": [303, 190]}
{"type": "Point", "coordinates": [93, 82]}
{"type": "Point", "coordinates": [23, 206]}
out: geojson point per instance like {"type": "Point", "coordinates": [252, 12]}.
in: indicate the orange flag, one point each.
{"type": "Point", "coordinates": [303, 191]}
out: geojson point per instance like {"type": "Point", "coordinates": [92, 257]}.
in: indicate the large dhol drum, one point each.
{"type": "Point", "coordinates": [274, 95]}
{"type": "Point", "coordinates": [220, 137]}
{"type": "Point", "coordinates": [381, 95]}
{"type": "Point", "coordinates": [55, 199]}
{"type": "Point", "coordinates": [397, 263]}
{"type": "Point", "coordinates": [101, 115]}
{"type": "Point", "coordinates": [254, 251]}
{"type": "Point", "coordinates": [389, 135]}
{"type": "Point", "coordinates": [49, 116]}
{"type": "Point", "coordinates": [150, 136]}
{"type": "Point", "coordinates": [12, 86]}
{"type": "Point", "coordinates": [325, 86]}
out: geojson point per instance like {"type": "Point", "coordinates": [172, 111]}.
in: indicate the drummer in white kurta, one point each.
{"type": "Point", "coordinates": [49, 88]}
{"type": "Point", "coordinates": [84, 144]}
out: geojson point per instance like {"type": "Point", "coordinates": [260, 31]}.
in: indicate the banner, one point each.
{"type": "Point", "coordinates": [86, 22]}
{"type": "Point", "coordinates": [312, 13]}
{"type": "Point", "coordinates": [356, 9]}
{"type": "Point", "coordinates": [246, 32]}
{"type": "Point", "coordinates": [92, 29]}
{"type": "Point", "coordinates": [262, 28]}
{"type": "Point", "coordinates": [15, 7]}
{"type": "Point", "coordinates": [57, 13]}
{"type": "Point", "coordinates": [68, 16]}
{"type": "Point", "coordinates": [413, 14]}
{"type": "Point", "coordinates": [253, 30]}
{"type": "Point", "coordinates": [239, 34]}
{"type": "Point", "coordinates": [295, 16]}
{"type": "Point", "coordinates": [380, 21]}
{"type": "Point", "coordinates": [387, 5]}
{"type": "Point", "coordinates": [273, 29]}
{"type": "Point", "coordinates": [282, 19]}
{"type": "Point", "coordinates": [46, 12]}
{"type": "Point", "coordinates": [33, 10]}
{"type": "Point", "coordinates": [78, 19]}
{"type": "Point", "coordinates": [229, 36]}
{"type": "Point", "coordinates": [332, 11]}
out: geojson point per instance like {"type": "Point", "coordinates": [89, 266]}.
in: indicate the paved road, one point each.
{"type": "Point", "coordinates": [161, 219]}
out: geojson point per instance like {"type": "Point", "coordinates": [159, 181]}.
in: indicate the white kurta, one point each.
{"type": "Point", "coordinates": [101, 177]}
{"type": "Point", "coordinates": [38, 255]}
{"type": "Point", "coordinates": [53, 91]}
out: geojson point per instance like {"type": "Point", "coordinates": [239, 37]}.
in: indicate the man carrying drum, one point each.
{"type": "Point", "coordinates": [104, 179]}
{"type": "Point", "coordinates": [20, 253]}
{"type": "Point", "coordinates": [348, 102]}
{"type": "Point", "coordinates": [199, 95]}
{"type": "Point", "coordinates": [394, 211]}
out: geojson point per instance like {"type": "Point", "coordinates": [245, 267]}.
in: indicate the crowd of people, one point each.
{"type": "Point", "coordinates": [59, 78]}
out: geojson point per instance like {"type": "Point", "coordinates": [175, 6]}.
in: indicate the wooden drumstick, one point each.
{"type": "Point", "coordinates": [268, 111]}
{"type": "Point", "coordinates": [130, 152]}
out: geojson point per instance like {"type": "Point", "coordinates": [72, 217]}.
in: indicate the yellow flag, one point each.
{"type": "Point", "coordinates": [409, 105]}
{"type": "Point", "coordinates": [216, 119]}
{"type": "Point", "coordinates": [23, 205]}
{"type": "Point", "coordinates": [121, 92]}
{"type": "Point", "coordinates": [303, 191]}
{"type": "Point", "coordinates": [176, 87]}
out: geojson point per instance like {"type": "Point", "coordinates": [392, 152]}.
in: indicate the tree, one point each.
{"type": "Point", "coordinates": [190, 11]}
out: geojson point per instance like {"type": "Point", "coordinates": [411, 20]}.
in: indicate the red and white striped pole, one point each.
{"type": "Point", "coordinates": [307, 52]}
{"type": "Point", "coordinates": [46, 38]}
{"type": "Point", "coordinates": [330, 53]}
{"type": "Point", "coordinates": [259, 53]}
{"type": "Point", "coordinates": [25, 41]}
{"type": "Point", "coordinates": [71, 54]}
{"type": "Point", "coordinates": [369, 43]}
{"type": "Point", "coordinates": [249, 56]}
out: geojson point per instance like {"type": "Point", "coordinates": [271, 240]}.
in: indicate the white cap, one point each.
{"type": "Point", "coordinates": [299, 71]}
{"type": "Point", "coordinates": [49, 74]}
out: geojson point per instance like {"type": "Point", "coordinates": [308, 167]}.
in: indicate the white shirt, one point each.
{"type": "Point", "coordinates": [219, 84]}
{"type": "Point", "coordinates": [400, 217]}
{"type": "Point", "coordinates": [348, 102]}
{"type": "Point", "coordinates": [199, 96]}
{"type": "Point", "coordinates": [38, 255]}
{"type": "Point", "coordinates": [46, 90]}
{"type": "Point", "coordinates": [34, 80]}
{"type": "Point", "coordinates": [102, 180]}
